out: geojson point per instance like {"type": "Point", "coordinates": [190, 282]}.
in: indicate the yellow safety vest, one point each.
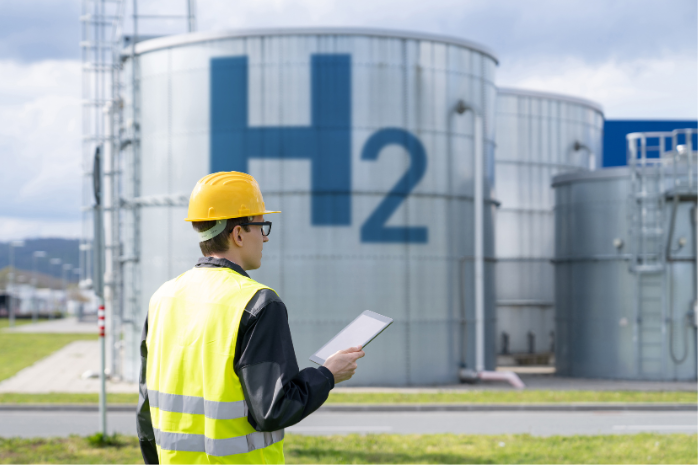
{"type": "Point", "coordinates": [198, 409]}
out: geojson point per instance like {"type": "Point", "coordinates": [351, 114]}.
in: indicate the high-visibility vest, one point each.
{"type": "Point", "coordinates": [198, 409]}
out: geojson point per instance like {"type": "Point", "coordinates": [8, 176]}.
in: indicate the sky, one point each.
{"type": "Point", "coordinates": [636, 58]}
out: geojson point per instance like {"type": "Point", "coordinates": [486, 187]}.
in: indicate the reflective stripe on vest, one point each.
{"type": "Point", "coordinates": [217, 447]}
{"type": "Point", "coordinates": [197, 404]}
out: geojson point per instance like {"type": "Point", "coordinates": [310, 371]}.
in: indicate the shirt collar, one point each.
{"type": "Point", "coordinates": [212, 262]}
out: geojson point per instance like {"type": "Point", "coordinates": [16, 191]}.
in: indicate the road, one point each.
{"type": "Point", "coordinates": [63, 423]}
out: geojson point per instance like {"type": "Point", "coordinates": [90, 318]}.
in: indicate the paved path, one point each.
{"type": "Point", "coordinates": [63, 371]}
{"type": "Point", "coordinates": [46, 424]}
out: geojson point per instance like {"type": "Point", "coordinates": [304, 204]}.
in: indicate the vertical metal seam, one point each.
{"type": "Point", "coordinates": [453, 271]}
{"type": "Point", "coordinates": [169, 161]}
{"type": "Point", "coordinates": [405, 117]}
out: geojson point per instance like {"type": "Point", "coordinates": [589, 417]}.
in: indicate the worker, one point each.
{"type": "Point", "coordinates": [219, 378]}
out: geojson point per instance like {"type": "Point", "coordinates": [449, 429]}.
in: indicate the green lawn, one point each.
{"type": "Point", "coordinates": [65, 398]}
{"type": "Point", "coordinates": [20, 350]}
{"type": "Point", "coordinates": [470, 397]}
{"type": "Point", "coordinates": [5, 323]}
{"type": "Point", "coordinates": [385, 448]}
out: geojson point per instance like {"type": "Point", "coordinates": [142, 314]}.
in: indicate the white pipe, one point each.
{"type": "Point", "coordinates": [690, 148]}
{"type": "Point", "coordinates": [508, 376]}
{"type": "Point", "coordinates": [10, 286]}
{"type": "Point", "coordinates": [479, 247]}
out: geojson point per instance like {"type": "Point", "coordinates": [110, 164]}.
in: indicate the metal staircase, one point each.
{"type": "Point", "coordinates": [656, 171]}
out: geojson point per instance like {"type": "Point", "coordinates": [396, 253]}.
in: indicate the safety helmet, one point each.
{"type": "Point", "coordinates": [224, 195]}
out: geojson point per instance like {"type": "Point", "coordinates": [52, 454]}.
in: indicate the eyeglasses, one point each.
{"type": "Point", "coordinates": [266, 226]}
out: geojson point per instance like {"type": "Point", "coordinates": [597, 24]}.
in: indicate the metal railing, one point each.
{"type": "Point", "coordinates": [665, 169]}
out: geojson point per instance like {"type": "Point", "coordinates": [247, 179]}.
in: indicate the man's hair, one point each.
{"type": "Point", "coordinates": [219, 243]}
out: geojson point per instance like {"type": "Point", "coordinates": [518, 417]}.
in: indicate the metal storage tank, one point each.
{"type": "Point", "coordinates": [358, 137]}
{"type": "Point", "coordinates": [539, 135]}
{"type": "Point", "coordinates": [625, 268]}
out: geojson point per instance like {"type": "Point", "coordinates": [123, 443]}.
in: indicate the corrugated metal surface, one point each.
{"type": "Point", "coordinates": [536, 135]}
{"type": "Point", "coordinates": [612, 322]}
{"type": "Point", "coordinates": [353, 136]}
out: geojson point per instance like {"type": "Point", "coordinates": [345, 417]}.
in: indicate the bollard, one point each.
{"type": "Point", "coordinates": [102, 381]}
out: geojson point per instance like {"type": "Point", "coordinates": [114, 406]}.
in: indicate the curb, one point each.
{"type": "Point", "coordinates": [626, 407]}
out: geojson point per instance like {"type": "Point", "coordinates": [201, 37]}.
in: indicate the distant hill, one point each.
{"type": "Point", "coordinates": [24, 277]}
{"type": "Point", "coordinates": [65, 249]}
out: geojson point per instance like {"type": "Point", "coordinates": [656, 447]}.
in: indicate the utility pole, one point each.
{"type": "Point", "coordinates": [67, 267]}
{"type": "Point", "coordinates": [53, 261]}
{"type": "Point", "coordinates": [191, 14]}
{"type": "Point", "coordinates": [35, 303]}
{"type": "Point", "coordinates": [77, 272]}
{"type": "Point", "coordinates": [98, 282]}
{"type": "Point", "coordinates": [11, 281]}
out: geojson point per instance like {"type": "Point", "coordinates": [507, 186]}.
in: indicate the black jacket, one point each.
{"type": "Point", "coordinates": [278, 395]}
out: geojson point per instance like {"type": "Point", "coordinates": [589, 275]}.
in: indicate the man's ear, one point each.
{"type": "Point", "coordinates": [236, 237]}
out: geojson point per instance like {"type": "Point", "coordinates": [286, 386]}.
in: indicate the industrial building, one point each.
{"type": "Point", "coordinates": [355, 135]}
{"type": "Point", "coordinates": [625, 263]}
{"type": "Point", "coordinates": [539, 135]}
{"type": "Point", "coordinates": [409, 185]}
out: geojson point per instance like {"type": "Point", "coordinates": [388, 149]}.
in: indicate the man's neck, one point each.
{"type": "Point", "coordinates": [230, 257]}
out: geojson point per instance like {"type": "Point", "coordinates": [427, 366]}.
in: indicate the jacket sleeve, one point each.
{"type": "Point", "coordinates": [278, 395]}
{"type": "Point", "coordinates": [144, 425]}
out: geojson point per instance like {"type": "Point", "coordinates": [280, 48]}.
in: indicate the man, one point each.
{"type": "Point", "coordinates": [219, 378]}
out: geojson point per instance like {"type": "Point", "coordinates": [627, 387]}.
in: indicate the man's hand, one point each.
{"type": "Point", "coordinates": [343, 363]}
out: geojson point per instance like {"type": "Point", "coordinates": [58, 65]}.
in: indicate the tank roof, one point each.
{"type": "Point", "coordinates": [602, 174]}
{"type": "Point", "coordinates": [552, 96]}
{"type": "Point", "coordinates": [185, 39]}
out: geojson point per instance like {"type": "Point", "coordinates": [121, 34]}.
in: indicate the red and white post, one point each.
{"type": "Point", "coordinates": [100, 321]}
{"type": "Point", "coordinates": [102, 366]}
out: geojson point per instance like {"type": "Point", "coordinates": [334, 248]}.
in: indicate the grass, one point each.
{"type": "Point", "coordinates": [100, 440]}
{"type": "Point", "coordinates": [20, 350]}
{"type": "Point", "coordinates": [386, 448]}
{"type": "Point", "coordinates": [472, 397]}
{"type": "Point", "coordinates": [520, 448]}
{"type": "Point", "coordinates": [74, 449]}
{"type": "Point", "coordinates": [5, 323]}
{"type": "Point", "coordinates": [65, 398]}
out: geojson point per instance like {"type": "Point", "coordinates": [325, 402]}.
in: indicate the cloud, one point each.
{"type": "Point", "coordinates": [40, 140]}
{"type": "Point", "coordinates": [35, 30]}
{"type": "Point", "coordinates": [635, 58]}
{"type": "Point", "coordinates": [22, 228]}
{"type": "Point", "coordinates": [591, 30]}
{"type": "Point", "coordinates": [644, 88]}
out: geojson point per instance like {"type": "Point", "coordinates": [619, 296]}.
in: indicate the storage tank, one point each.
{"type": "Point", "coordinates": [359, 138]}
{"type": "Point", "coordinates": [539, 135]}
{"type": "Point", "coordinates": [625, 267]}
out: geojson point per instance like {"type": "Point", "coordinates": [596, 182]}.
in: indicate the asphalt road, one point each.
{"type": "Point", "coordinates": [62, 423]}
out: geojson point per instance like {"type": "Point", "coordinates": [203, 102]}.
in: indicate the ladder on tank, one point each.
{"type": "Point", "coordinates": [649, 175]}
{"type": "Point", "coordinates": [105, 89]}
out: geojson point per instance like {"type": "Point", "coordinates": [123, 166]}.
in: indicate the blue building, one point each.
{"type": "Point", "coordinates": [614, 141]}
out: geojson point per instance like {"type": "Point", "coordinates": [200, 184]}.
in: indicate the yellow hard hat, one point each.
{"type": "Point", "coordinates": [224, 195]}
